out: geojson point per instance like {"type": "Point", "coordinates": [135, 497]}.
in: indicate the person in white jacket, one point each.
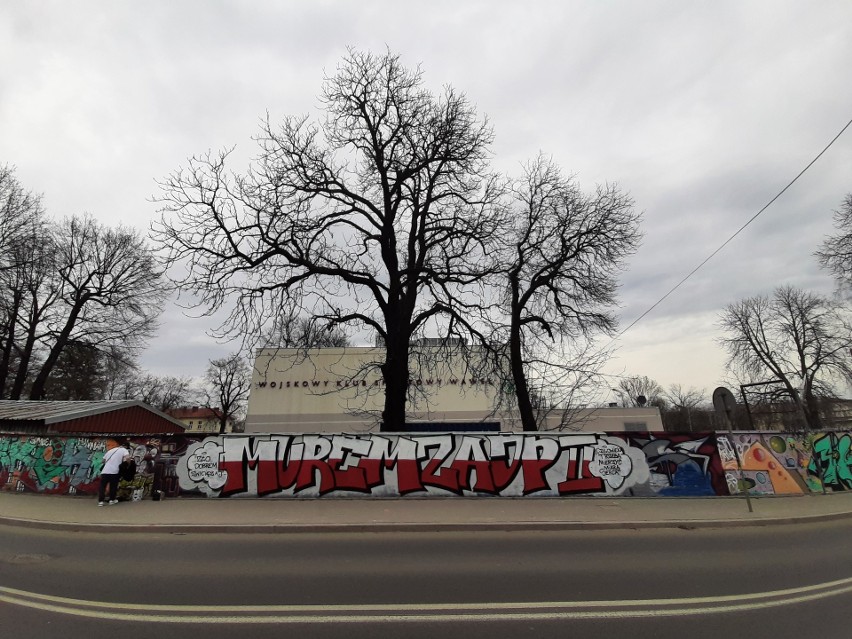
{"type": "Point", "coordinates": [109, 473]}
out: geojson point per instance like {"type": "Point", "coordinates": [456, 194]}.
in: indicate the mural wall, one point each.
{"type": "Point", "coordinates": [460, 464]}
{"type": "Point", "coordinates": [784, 463]}
{"type": "Point", "coordinates": [71, 465]}
{"type": "Point", "coordinates": [339, 465]}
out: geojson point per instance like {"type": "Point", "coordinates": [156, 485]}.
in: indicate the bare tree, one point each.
{"type": "Point", "coordinates": [798, 338]}
{"type": "Point", "coordinates": [78, 375]}
{"type": "Point", "coordinates": [121, 373]}
{"type": "Point", "coordinates": [75, 285]}
{"type": "Point", "coordinates": [31, 295]}
{"type": "Point", "coordinates": [558, 267]}
{"type": "Point", "coordinates": [640, 390]}
{"type": "Point", "coordinates": [377, 216]}
{"type": "Point", "coordinates": [228, 383]}
{"type": "Point", "coordinates": [26, 280]}
{"type": "Point", "coordinates": [110, 291]}
{"type": "Point", "coordinates": [835, 254]}
{"type": "Point", "coordinates": [681, 404]}
{"type": "Point", "coordinates": [18, 209]}
{"type": "Point", "coordinates": [163, 393]}
{"type": "Point", "coordinates": [289, 331]}
{"type": "Point", "coordinates": [680, 397]}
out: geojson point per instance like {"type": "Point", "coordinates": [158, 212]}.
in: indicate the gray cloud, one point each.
{"type": "Point", "coordinates": [701, 111]}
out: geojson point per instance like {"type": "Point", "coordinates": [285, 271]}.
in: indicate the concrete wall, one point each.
{"type": "Point", "coordinates": [441, 465]}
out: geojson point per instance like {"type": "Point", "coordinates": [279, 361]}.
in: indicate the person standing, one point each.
{"type": "Point", "coordinates": [109, 473]}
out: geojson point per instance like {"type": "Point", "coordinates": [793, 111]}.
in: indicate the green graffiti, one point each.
{"type": "Point", "coordinates": [47, 464]}
{"type": "Point", "coordinates": [14, 452]}
{"type": "Point", "coordinates": [831, 460]}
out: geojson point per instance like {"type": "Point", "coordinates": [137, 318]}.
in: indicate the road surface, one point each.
{"type": "Point", "coordinates": [774, 582]}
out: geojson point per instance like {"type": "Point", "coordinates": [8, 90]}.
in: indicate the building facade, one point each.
{"type": "Point", "coordinates": [341, 390]}
{"type": "Point", "coordinates": [199, 419]}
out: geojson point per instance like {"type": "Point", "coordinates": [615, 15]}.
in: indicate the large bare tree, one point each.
{"type": "Point", "coordinates": [75, 286]}
{"type": "Point", "coordinates": [797, 338]}
{"type": "Point", "coordinates": [561, 254]}
{"type": "Point", "coordinates": [26, 279]}
{"type": "Point", "coordinates": [376, 216]}
{"type": "Point", "coordinates": [31, 293]}
{"type": "Point", "coordinates": [110, 292]}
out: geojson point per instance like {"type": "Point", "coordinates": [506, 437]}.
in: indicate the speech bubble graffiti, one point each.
{"type": "Point", "coordinates": [199, 468]}
{"type": "Point", "coordinates": [611, 464]}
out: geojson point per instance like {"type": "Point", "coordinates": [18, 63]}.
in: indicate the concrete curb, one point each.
{"type": "Point", "coordinates": [417, 527]}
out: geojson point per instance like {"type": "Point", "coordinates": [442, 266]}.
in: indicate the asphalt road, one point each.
{"type": "Point", "coordinates": [773, 582]}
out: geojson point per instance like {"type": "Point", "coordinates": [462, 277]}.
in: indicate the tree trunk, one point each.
{"type": "Point", "coordinates": [37, 391]}
{"type": "Point", "coordinates": [225, 412]}
{"type": "Point", "coordinates": [395, 373]}
{"type": "Point", "coordinates": [396, 376]}
{"type": "Point", "coordinates": [811, 409]}
{"type": "Point", "coordinates": [519, 379]}
{"type": "Point", "coordinates": [8, 345]}
{"type": "Point", "coordinates": [24, 364]}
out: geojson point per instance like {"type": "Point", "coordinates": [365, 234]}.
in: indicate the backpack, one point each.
{"type": "Point", "coordinates": [127, 470]}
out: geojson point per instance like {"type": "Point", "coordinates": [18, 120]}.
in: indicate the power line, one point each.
{"type": "Point", "coordinates": [740, 230]}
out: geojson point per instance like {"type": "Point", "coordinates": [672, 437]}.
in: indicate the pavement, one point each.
{"type": "Point", "coordinates": [271, 515]}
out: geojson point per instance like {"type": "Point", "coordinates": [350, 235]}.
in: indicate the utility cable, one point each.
{"type": "Point", "coordinates": [740, 230]}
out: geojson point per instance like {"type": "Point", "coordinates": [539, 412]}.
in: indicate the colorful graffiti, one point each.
{"type": "Point", "coordinates": [70, 465]}
{"type": "Point", "coordinates": [785, 463]}
{"type": "Point", "coordinates": [450, 464]}
{"type": "Point", "coordinates": [385, 465]}
{"type": "Point", "coordinates": [50, 465]}
{"type": "Point", "coordinates": [831, 460]}
{"type": "Point", "coordinates": [681, 465]}
{"type": "Point", "coordinates": [507, 464]}
{"type": "Point", "coordinates": [341, 465]}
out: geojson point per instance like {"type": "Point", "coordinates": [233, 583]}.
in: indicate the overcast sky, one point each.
{"type": "Point", "coordinates": [702, 111]}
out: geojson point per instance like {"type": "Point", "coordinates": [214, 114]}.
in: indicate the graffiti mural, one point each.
{"type": "Point", "coordinates": [681, 465]}
{"type": "Point", "coordinates": [508, 465]}
{"type": "Point", "coordinates": [71, 465]}
{"type": "Point", "coordinates": [342, 465]}
{"type": "Point", "coordinates": [831, 460]}
{"type": "Point", "coordinates": [50, 464]}
{"type": "Point", "coordinates": [786, 463]}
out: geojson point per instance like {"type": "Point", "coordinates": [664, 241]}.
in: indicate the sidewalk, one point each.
{"type": "Point", "coordinates": [413, 515]}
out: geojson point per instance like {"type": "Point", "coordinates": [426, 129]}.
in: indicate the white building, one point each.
{"type": "Point", "coordinates": [341, 390]}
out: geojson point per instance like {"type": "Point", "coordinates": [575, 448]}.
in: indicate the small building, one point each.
{"type": "Point", "coordinates": [106, 417]}
{"type": "Point", "coordinates": [200, 419]}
